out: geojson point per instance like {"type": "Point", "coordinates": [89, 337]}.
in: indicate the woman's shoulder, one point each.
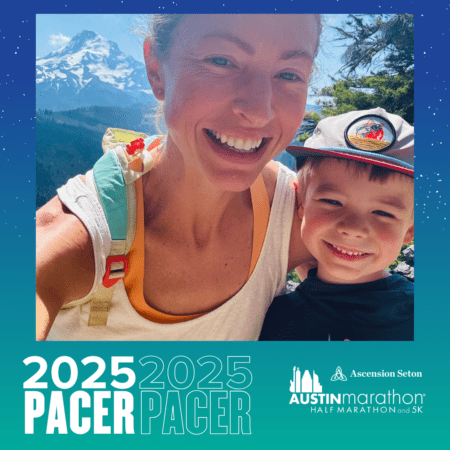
{"type": "Point", "coordinates": [274, 172]}
{"type": "Point", "coordinates": [65, 262]}
{"type": "Point", "coordinates": [270, 176]}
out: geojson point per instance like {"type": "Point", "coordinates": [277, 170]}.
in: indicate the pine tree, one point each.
{"type": "Point", "coordinates": [384, 42]}
{"type": "Point", "coordinates": [375, 40]}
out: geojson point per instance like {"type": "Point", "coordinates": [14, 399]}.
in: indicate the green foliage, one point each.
{"type": "Point", "coordinates": [393, 93]}
{"type": "Point", "coordinates": [378, 39]}
{"type": "Point", "coordinates": [292, 276]}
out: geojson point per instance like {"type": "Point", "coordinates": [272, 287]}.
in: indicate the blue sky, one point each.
{"type": "Point", "coordinates": [53, 30]}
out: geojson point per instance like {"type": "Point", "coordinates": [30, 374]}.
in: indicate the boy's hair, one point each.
{"type": "Point", "coordinates": [305, 166]}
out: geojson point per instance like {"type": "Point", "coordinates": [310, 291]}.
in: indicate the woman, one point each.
{"type": "Point", "coordinates": [234, 89]}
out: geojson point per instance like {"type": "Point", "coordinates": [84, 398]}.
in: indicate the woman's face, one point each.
{"type": "Point", "coordinates": [235, 89]}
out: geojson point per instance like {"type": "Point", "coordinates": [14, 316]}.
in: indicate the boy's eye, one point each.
{"type": "Point", "coordinates": [330, 201]}
{"type": "Point", "coordinates": [219, 61]}
{"type": "Point", "coordinates": [383, 214]}
{"type": "Point", "coordinates": [288, 76]}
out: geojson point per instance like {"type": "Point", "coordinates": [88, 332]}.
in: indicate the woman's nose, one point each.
{"type": "Point", "coordinates": [353, 225]}
{"type": "Point", "coordinates": [254, 102]}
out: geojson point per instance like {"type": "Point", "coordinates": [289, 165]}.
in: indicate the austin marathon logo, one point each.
{"type": "Point", "coordinates": [306, 389]}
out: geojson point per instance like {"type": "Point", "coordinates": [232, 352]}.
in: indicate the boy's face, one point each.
{"type": "Point", "coordinates": [355, 227]}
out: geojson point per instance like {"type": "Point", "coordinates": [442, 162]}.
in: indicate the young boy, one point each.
{"type": "Point", "coordinates": [356, 202]}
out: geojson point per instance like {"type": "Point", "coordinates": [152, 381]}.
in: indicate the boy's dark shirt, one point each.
{"type": "Point", "coordinates": [382, 310]}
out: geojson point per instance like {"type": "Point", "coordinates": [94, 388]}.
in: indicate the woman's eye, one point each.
{"type": "Point", "coordinates": [383, 214]}
{"type": "Point", "coordinates": [330, 201]}
{"type": "Point", "coordinates": [288, 76]}
{"type": "Point", "coordinates": [218, 61]}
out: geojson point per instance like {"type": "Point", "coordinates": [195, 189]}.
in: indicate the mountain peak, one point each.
{"type": "Point", "coordinates": [86, 34]}
{"type": "Point", "coordinates": [81, 39]}
{"type": "Point", "coordinates": [90, 70]}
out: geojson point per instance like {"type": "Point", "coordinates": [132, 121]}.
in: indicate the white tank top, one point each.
{"type": "Point", "coordinates": [239, 318]}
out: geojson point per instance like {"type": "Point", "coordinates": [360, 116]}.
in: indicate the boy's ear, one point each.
{"type": "Point", "coordinates": [301, 209]}
{"type": "Point", "coordinates": [154, 73]}
{"type": "Point", "coordinates": [298, 199]}
{"type": "Point", "coordinates": [409, 236]}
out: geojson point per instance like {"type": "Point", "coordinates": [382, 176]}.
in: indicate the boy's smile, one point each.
{"type": "Point", "coordinates": [346, 253]}
{"type": "Point", "coordinates": [355, 227]}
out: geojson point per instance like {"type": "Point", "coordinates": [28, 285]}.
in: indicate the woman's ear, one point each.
{"type": "Point", "coordinates": [409, 236]}
{"type": "Point", "coordinates": [154, 73]}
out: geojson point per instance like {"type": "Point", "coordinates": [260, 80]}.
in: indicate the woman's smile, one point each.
{"type": "Point", "coordinates": [229, 148]}
{"type": "Point", "coordinates": [240, 144]}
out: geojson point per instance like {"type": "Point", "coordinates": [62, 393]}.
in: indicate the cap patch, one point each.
{"type": "Point", "coordinates": [370, 133]}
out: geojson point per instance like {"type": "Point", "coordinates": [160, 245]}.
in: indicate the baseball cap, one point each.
{"type": "Point", "coordinates": [373, 136]}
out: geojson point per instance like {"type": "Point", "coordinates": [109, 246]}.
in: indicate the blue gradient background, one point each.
{"type": "Point", "coordinates": [273, 420]}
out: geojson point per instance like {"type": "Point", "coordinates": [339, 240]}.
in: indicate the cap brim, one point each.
{"type": "Point", "coordinates": [357, 155]}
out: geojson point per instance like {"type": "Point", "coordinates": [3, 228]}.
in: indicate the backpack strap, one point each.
{"type": "Point", "coordinates": [261, 216]}
{"type": "Point", "coordinates": [114, 176]}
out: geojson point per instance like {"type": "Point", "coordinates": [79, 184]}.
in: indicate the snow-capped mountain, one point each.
{"type": "Point", "coordinates": [90, 71]}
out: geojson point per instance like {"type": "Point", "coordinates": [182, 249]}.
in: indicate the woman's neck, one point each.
{"type": "Point", "coordinates": [177, 195]}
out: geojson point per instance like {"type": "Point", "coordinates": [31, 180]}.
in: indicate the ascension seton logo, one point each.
{"type": "Point", "coordinates": [338, 376]}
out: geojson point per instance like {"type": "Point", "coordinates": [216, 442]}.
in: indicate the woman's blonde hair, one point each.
{"type": "Point", "coordinates": [161, 27]}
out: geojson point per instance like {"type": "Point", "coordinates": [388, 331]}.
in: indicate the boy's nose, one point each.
{"type": "Point", "coordinates": [353, 225]}
{"type": "Point", "coordinates": [254, 100]}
